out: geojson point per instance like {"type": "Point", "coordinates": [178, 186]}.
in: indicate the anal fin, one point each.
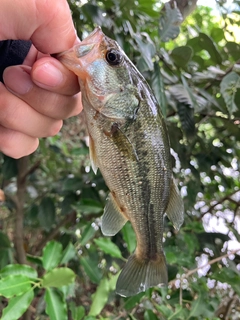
{"type": "Point", "coordinates": [175, 209]}
{"type": "Point", "coordinates": [112, 220]}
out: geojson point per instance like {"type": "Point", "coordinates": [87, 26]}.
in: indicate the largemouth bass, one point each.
{"type": "Point", "coordinates": [129, 144]}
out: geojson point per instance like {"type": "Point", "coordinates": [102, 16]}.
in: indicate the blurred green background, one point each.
{"type": "Point", "coordinates": [53, 201]}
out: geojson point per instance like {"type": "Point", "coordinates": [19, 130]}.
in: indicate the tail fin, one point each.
{"type": "Point", "coordinates": [138, 275]}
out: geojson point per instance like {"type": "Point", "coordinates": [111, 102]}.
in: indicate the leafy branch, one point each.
{"type": "Point", "coordinates": [189, 273]}
{"type": "Point", "coordinates": [209, 263]}
{"type": "Point", "coordinates": [225, 198]}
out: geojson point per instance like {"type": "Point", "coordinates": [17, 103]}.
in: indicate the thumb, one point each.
{"type": "Point", "coordinates": [47, 23]}
{"type": "Point", "coordinates": [50, 74]}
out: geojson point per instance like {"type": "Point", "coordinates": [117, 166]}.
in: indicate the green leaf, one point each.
{"type": "Point", "coordinates": [107, 246]}
{"type": "Point", "coordinates": [209, 45]}
{"type": "Point", "coordinates": [149, 315]}
{"type": "Point", "coordinates": [58, 277]}
{"type": "Point", "coordinates": [179, 313]}
{"type": "Point", "coordinates": [217, 34]}
{"type": "Point", "coordinates": [67, 203]}
{"type": "Point", "coordinates": [129, 237]}
{"type": "Point", "coordinates": [132, 301]}
{"type": "Point", "coordinates": [17, 306]}
{"type": "Point", "coordinates": [190, 93]}
{"type": "Point", "coordinates": [181, 94]}
{"type": "Point", "coordinates": [147, 50]}
{"type": "Point", "coordinates": [197, 307]}
{"type": "Point", "coordinates": [13, 285]}
{"type": "Point", "coordinates": [46, 213]}
{"type": "Point", "coordinates": [169, 21]}
{"type": "Point", "coordinates": [100, 297]}
{"type": "Point", "coordinates": [79, 151]}
{"type": "Point", "coordinates": [4, 241]}
{"type": "Point", "coordinates": [52, 254]}
{"type": "Point", "coordinates": [89, 206]}
{"type": "Point", "coordinates": [77, 312]}
{"type": "Point", "coordinates": [171, 257]}
{"type": "Point", "coordinates": [186, 116]}
{"type": "Point", "coordinates": [181, 55]}
{"type": "Point", "coordinates": [9, 168]}
{"type": "Point", "coordinates": [91, 269]}
{"type": "Point", "coordinates": [159, 89]}
{"type": "Point", "coordinates": [87, 234]}
{"type": "Point", "coordinates": [229, 276]}
{"type": "Point", "coordinates": [228, 87]}
{"type": "Point", "coordinates": [5, 257]}
{"type": "Point", "coordinates": [56, 306]}
{"type": "Point", "coordinates": [34, 260]}
{"type": "Point", "coordinates": [164, 310]}
{"type": "Point", "coordinates": [233, 49]}
{"type": "Point", "coordinates": [68, 253]}
{"type": "Point", "coordinates": [13, 269]}
{"type": "Point", "coordinates": [68, 291]}
{"type": "Point", "coordinates": [73, 184]}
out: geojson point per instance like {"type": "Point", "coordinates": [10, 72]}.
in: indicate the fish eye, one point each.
{"type": "Point", "coordinates": [113, 57]}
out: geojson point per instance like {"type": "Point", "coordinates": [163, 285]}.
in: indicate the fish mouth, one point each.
{"type": "Point", "coordinates": [78, 56]}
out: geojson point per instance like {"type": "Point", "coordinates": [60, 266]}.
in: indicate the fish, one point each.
{"type": "Point", "coordinates": [128, 142]}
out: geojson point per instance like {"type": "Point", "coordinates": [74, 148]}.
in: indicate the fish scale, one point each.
{"type": "Point", "coordinates": [129, 144]}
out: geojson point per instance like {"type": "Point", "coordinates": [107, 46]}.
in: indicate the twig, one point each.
{"type": "Point", "coordinates": [180, 294]}
{"type": "Point", "coordinates": [55, 231]}
{"type": "Point", "coordinates": [191, 272]}
{"type": "Point", "coordinates": [227, 197]}
{"type": "Point", "coordinates": [32, 169]}
{"type": "Point", "coordinates": [230, 305]}
{"type": "Point", "coordinates": [19, 202]}
{"type": "Point", "coordinates": [209, 84]}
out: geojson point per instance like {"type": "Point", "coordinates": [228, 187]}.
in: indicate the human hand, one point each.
{"type": "Point", "coordinates": [40, 93]}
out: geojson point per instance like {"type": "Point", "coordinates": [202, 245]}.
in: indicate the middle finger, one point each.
{"type": "Point", "coordinates": [51, 104]}
{"type": "Point", "coordinates": [15, 114]}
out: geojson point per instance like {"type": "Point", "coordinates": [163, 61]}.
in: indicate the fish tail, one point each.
{"type": "Point", "coordinates": [138, 275]}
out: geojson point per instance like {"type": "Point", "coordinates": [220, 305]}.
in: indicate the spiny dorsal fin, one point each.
{"type": "Point", "coordinates": [112, 220]}
{"type": "Point", "coordinates": [139, 275]}
{"type": "Point", "coordinates": [175, 209]}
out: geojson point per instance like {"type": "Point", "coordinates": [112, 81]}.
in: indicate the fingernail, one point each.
{"type": "Point", "coordinates": [18, 80]}
{"type": "Point", "coordinates": [48, 75]}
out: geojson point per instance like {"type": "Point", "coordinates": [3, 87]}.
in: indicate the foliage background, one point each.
{"type": "Point", "coordinates": [51, 202]}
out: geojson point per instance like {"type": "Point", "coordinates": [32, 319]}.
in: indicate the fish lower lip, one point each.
{"type": "Point", "coordinates": [77, 51]}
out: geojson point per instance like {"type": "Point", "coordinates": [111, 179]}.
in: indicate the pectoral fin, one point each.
{"type": "Point", "coordinates": [112, 220]}
{"type": "Point", "coordinates": [175, 210]}
{"type": "Point", "coordinates": [123, 142]}
{"type": "Point", "coordinates": [93, 156]}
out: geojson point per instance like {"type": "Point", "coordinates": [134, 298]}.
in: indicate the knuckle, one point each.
{"type": "Point", "coordinates": [54, 128]}
{"type": "Point", "coordinates": [8, 109]}
{"type": "Point", "coordinates": [17, 145]}
{"type": "Point", "coordinates": [76, 106]}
